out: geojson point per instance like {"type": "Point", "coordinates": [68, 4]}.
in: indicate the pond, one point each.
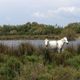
{"type": "Point", "coordinates": [15, 43]}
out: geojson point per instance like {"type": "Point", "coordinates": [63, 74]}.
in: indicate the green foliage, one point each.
{"type": "Point", "coordinates": [74, 62]}
{"type": "Point", "coordinates": [10, 69]}
{"type": "Point", "coordinates": [69, 33]}
{"type": "Point", "coordinates": [78, 49]}
{"type": "Point", "coordinates": [35, 30]}
{"type": "Point", "coordinates": [74, 26]}
{"type": "Point", "coordinates": [60, 59]}
{"type": "Point", "coordinates": [65, 73]}
{"type": "Point", "coordinates": [30, 29]}
{"type": "Point", "coordinates": [45, 76]}
{"type": "Point", "coordinates": [26, 48]}
{"type": "Point", "coordinates": [71, 30]}
{"type": "Point", "coordinates": [32, 58]}
{"type": "Point", "coordinates": [27, 63]}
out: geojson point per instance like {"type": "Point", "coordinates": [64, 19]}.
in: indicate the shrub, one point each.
{"type": "Point", "coordinates": [69, 33]}
{"type": "Point", "coordinates": [65, 73]}
{"type": "Point", "coordinates": [10, 69]}
{"type": "Point", "coordinates": [78, 49]}
{"type": "Point", "coordinates": [32, 58]}
{"type": "Point", "coordinates": [32, 71]}
{"type": "Point", "coordinates": [74, 62]}
{"type": "Point", "coordinates": [45, 76]}
{"type": "Point", "coordinates": [3, 48]}
{"type": "Point", "coordinates": [71, 50]}
{"type": "Point", "coordinates": [60, 58]}
{"type": "Point", "coordinates": [26, 48]}
{"type": "Point", "coordinates": [3, 58]}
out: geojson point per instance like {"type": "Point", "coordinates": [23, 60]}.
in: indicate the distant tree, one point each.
{"type": "Point", "coordinates": [69, 33]}
{"type": "Point", "coordinates": [13, 32]}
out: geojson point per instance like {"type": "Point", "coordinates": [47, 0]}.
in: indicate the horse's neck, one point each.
{"type": "Point", "coordinates": [62, 40]}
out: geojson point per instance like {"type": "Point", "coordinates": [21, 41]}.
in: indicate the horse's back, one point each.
{"type": "Point", "coordinates": [53, 44]}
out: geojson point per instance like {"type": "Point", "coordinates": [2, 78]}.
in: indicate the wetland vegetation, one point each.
{"type": "Point", "coordinates": [28, 62]}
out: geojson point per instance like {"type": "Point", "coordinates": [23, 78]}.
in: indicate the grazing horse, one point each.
{"type": "Point", "coordinates": [56, 44]}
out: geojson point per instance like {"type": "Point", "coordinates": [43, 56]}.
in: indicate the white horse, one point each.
{"type": "Point", "coordinates": [58, 44]}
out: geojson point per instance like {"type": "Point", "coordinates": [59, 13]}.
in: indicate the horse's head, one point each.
{"type": "Point", "coordinates": [65, 40]}
{"type": "Point", "coordinates": [46, 42]}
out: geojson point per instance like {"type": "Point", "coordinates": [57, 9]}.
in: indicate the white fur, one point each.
{"type": "Point", "coordinates": [56, 43]}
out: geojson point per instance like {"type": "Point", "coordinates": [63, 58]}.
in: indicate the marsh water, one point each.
{"type": "Point", "coordinates": [15, 43]}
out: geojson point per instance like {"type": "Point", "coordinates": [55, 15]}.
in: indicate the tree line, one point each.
{"type": "Point", "coordinates": [30, 28]}
{"type": "Point", "coordinates": [35, 28]}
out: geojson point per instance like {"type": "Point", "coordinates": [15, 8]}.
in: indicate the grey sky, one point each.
{"type": "Point", "coordinates": [59, 12]}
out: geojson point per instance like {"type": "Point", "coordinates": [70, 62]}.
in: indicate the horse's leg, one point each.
{"type": "Point", "coordinates": [47, 57]}
{"type": "Point", "coordinates": [59, 50]}
{"type": "Point", "coordinates": [62, 49]}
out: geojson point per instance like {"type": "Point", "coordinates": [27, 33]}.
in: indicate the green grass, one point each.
{"type": "Point", "coordinates": [31, 63]}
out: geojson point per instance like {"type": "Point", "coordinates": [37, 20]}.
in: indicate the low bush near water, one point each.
{"type": "Point", "coordinates": [10, 69]}
{"type": "Point", "coordinates": [74, 62]}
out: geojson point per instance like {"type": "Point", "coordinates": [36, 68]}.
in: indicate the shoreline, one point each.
{"type": "Point", "coordinates": [28, 37]}
{"type": "Point", "coordinates": [33, 37]}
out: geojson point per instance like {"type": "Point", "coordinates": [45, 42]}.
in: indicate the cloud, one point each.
{"type": "Point", "coordinates": [39, 15]}
{"type": "Point", "coordinates": [7, 18]}
{"type": "Point", "coordinates": [47, 14]}
{"type": "Point", "coordinates": [67, 11]}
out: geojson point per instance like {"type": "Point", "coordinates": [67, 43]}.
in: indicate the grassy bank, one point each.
{"type": "Point", "coordinates": [22, 37]}
{"type": "Point", "coordinates": [27, 62]}
{"type": "Point", "coordinates": [19, 37]}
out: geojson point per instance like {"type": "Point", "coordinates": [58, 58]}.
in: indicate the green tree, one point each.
{"type": "Point", "coordinates": [69, 33]}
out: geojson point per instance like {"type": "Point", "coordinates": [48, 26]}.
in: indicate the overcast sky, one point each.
{"type": "Point", "coordinates": [52, 12]}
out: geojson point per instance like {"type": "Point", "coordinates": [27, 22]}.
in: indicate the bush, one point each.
{"type": "Point", "coordinates": [26, 48]}
{"type": "Point", "coordinates": [3, 58]}
{"type": "Point", "coordinates": [74, 62]}
{"type": "Point", "coordinates": [65, 73]}
{"type": "Point", "coordinates": [71, 49]}
{"type": "Point", "coordinates": [69, 33]}
{"type": "Point", "coordinates": [32, 71]}
{"type": "Point", "coordinates": [45, 76]}
{"type": "Point", "coordinates": [3, 48]}
{"type": "Point", "coordinates": [10, 69]}
{"type": "Point", "coordinates": [78, 49]}
{"type": "Point", "coordinates": [60, 58]}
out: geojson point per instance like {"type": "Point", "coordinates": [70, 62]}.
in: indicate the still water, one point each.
{"type": "Point", "coordinates": [16, 43]}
